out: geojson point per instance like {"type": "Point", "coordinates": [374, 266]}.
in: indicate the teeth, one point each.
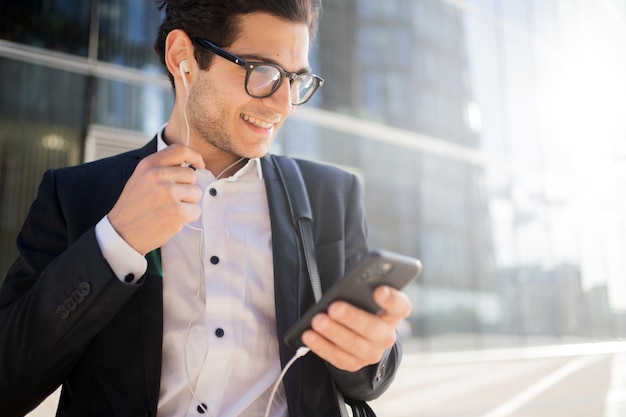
{"type": "Point", "coordinates": [256, 122]}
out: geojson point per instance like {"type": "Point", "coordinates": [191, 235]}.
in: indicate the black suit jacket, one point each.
{"type": "Point", "coordinates": [65, 318]}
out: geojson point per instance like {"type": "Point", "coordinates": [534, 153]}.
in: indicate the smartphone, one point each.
{"type": "Point", "coordinates": [379, 267]}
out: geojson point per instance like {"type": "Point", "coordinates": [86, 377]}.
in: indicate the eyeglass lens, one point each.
{"type": "Point", "coordinates": [263, 80]}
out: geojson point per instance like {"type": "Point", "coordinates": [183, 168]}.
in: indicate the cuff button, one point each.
{"type": "Point", "coordinates": [84, 289]}
{"type": "Point", "coordinates": [62, 312]}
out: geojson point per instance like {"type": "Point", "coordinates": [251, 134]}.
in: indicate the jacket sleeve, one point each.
{"type": "Point", "coordinates": [372, 381]}
{"type": "Point", "coordinates": [55, 298]}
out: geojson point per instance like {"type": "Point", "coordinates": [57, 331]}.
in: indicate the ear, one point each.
{"type": "Point", "coordinates": [179, 48]}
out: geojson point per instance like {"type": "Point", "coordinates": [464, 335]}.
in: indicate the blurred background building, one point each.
{"type": "Point", "coordinates": [490, 136]}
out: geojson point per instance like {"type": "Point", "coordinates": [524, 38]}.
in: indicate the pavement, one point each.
{"type": "Point", "coordinates": [573, 380]}
{"type": "Point", "coordinates": [579, 380]}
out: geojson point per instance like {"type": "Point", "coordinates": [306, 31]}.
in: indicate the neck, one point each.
{"type": "Point", "coordinates": [218, 162]}
{"type": "Point", "coordinates": [232, 168]}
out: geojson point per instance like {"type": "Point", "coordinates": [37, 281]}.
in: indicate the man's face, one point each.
{"type": "Point", "coordinates": [220, 111]}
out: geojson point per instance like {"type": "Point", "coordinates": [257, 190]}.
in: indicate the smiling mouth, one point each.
{"type": "Point", "coordinates": [256, 122]}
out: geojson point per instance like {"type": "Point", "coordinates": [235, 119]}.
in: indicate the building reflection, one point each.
{"type": "Point", "coordinates": [484, 131]}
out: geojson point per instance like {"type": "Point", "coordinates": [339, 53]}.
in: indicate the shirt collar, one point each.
{"type": "Point", "coordinates": [253, 167]}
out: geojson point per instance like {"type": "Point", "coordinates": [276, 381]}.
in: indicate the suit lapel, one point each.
{"type": "Point", "coordinates": [148, 149]}
{"type": "Point", "coordinates": [287, 262]}
{"type": "Point", "coordinates": [289, 277]}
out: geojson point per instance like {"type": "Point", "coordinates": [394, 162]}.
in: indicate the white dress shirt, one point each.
{"type": "Point", "coordinates": [220, 344]}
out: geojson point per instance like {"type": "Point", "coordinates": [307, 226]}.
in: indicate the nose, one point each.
{"type": "Point", "coordinates": [280, 101]}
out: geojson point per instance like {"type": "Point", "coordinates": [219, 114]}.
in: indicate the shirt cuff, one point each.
{"type": "Point", "coordinates": [127, 264]}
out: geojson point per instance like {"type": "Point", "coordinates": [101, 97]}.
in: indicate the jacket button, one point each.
{"type": "Point", "coordinates": [202, 408]}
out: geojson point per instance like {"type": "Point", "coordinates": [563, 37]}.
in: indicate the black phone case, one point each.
{"type": "Point", "coordinates": [379, 267]}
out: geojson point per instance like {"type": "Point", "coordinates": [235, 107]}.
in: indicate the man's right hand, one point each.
{"type": "Point", "coordinates": [159, 198]}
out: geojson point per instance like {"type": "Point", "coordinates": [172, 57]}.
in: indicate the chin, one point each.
{"type": "Point", "coordinates": [257, 151]}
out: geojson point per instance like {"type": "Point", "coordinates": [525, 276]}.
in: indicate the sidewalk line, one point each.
{"type": "Point", "coordinates": [507, 354]}
{"type": "Point", "coordinates": [525, 396]}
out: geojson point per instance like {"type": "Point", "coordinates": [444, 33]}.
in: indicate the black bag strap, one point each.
{"type": "Point", "coordinates": [302, 216]}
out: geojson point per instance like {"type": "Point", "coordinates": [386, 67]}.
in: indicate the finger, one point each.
{"type": "Point", "coordinates": [331, 353]}
{"type": "Point", "coordinates": [190, 193]}
{"type": "Point", "coordinates": [395, 304]}
{"type": "Point", "coordinates": [176, 174]}
{"type": "Point", "coordinates": [190, 211]}
{"type": "Point", "coordinates": [370, 327]}
{"type": "Point", "coordinates": [176, 155]}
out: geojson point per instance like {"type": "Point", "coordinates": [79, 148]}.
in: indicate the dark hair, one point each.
{"type": "Point", "coordinates": [217, 20]}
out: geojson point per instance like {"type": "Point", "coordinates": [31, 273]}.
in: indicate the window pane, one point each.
{"type": "Point", "coordinates": [127, 32]}
{"type": "Point", "coordinates": [61, 25]}
{"type": "Point", "coordinates": [133, 107]}
{"type": "Point", "coordinates": [40, 128]}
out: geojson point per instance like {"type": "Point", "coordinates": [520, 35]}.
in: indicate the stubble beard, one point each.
{"type": "Point", "coordinates": [210, 125]}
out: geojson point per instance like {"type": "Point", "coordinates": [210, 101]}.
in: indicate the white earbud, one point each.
{"type": "Point", "coordinates": [184, 70]}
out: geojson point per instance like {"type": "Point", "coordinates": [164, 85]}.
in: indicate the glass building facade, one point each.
{"type": "Point", "coordinates": [489, 136]}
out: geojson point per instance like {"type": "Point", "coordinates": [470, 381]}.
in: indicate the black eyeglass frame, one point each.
{"type": "Point", "coordinates": [249, 66]}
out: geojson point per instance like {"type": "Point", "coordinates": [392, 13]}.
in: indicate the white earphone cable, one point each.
{"type": "Point", "coordinates": [299, 353]}
{"type": "Point", "coordinates": [185, 112]}
{"type": "Point", "coordinates": [188, 330]}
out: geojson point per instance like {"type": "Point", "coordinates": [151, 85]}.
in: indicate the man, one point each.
{"type": "Point", "coordinates": [161, 281]}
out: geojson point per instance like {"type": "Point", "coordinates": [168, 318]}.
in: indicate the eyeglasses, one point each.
{"type": "Point", "coordinates": [263, 78]}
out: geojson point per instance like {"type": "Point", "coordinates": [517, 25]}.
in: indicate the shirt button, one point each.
{"type": "Point", "coordinates": [213, 192]}
{"type": "Point", "coordinates": [219, 332]}
{"type": "Point", "coordinates": [202, 408]}
{"type": "Point", "coordinates": [215, 260]}
{"type": "Point", "coordinates": [129, 278]}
